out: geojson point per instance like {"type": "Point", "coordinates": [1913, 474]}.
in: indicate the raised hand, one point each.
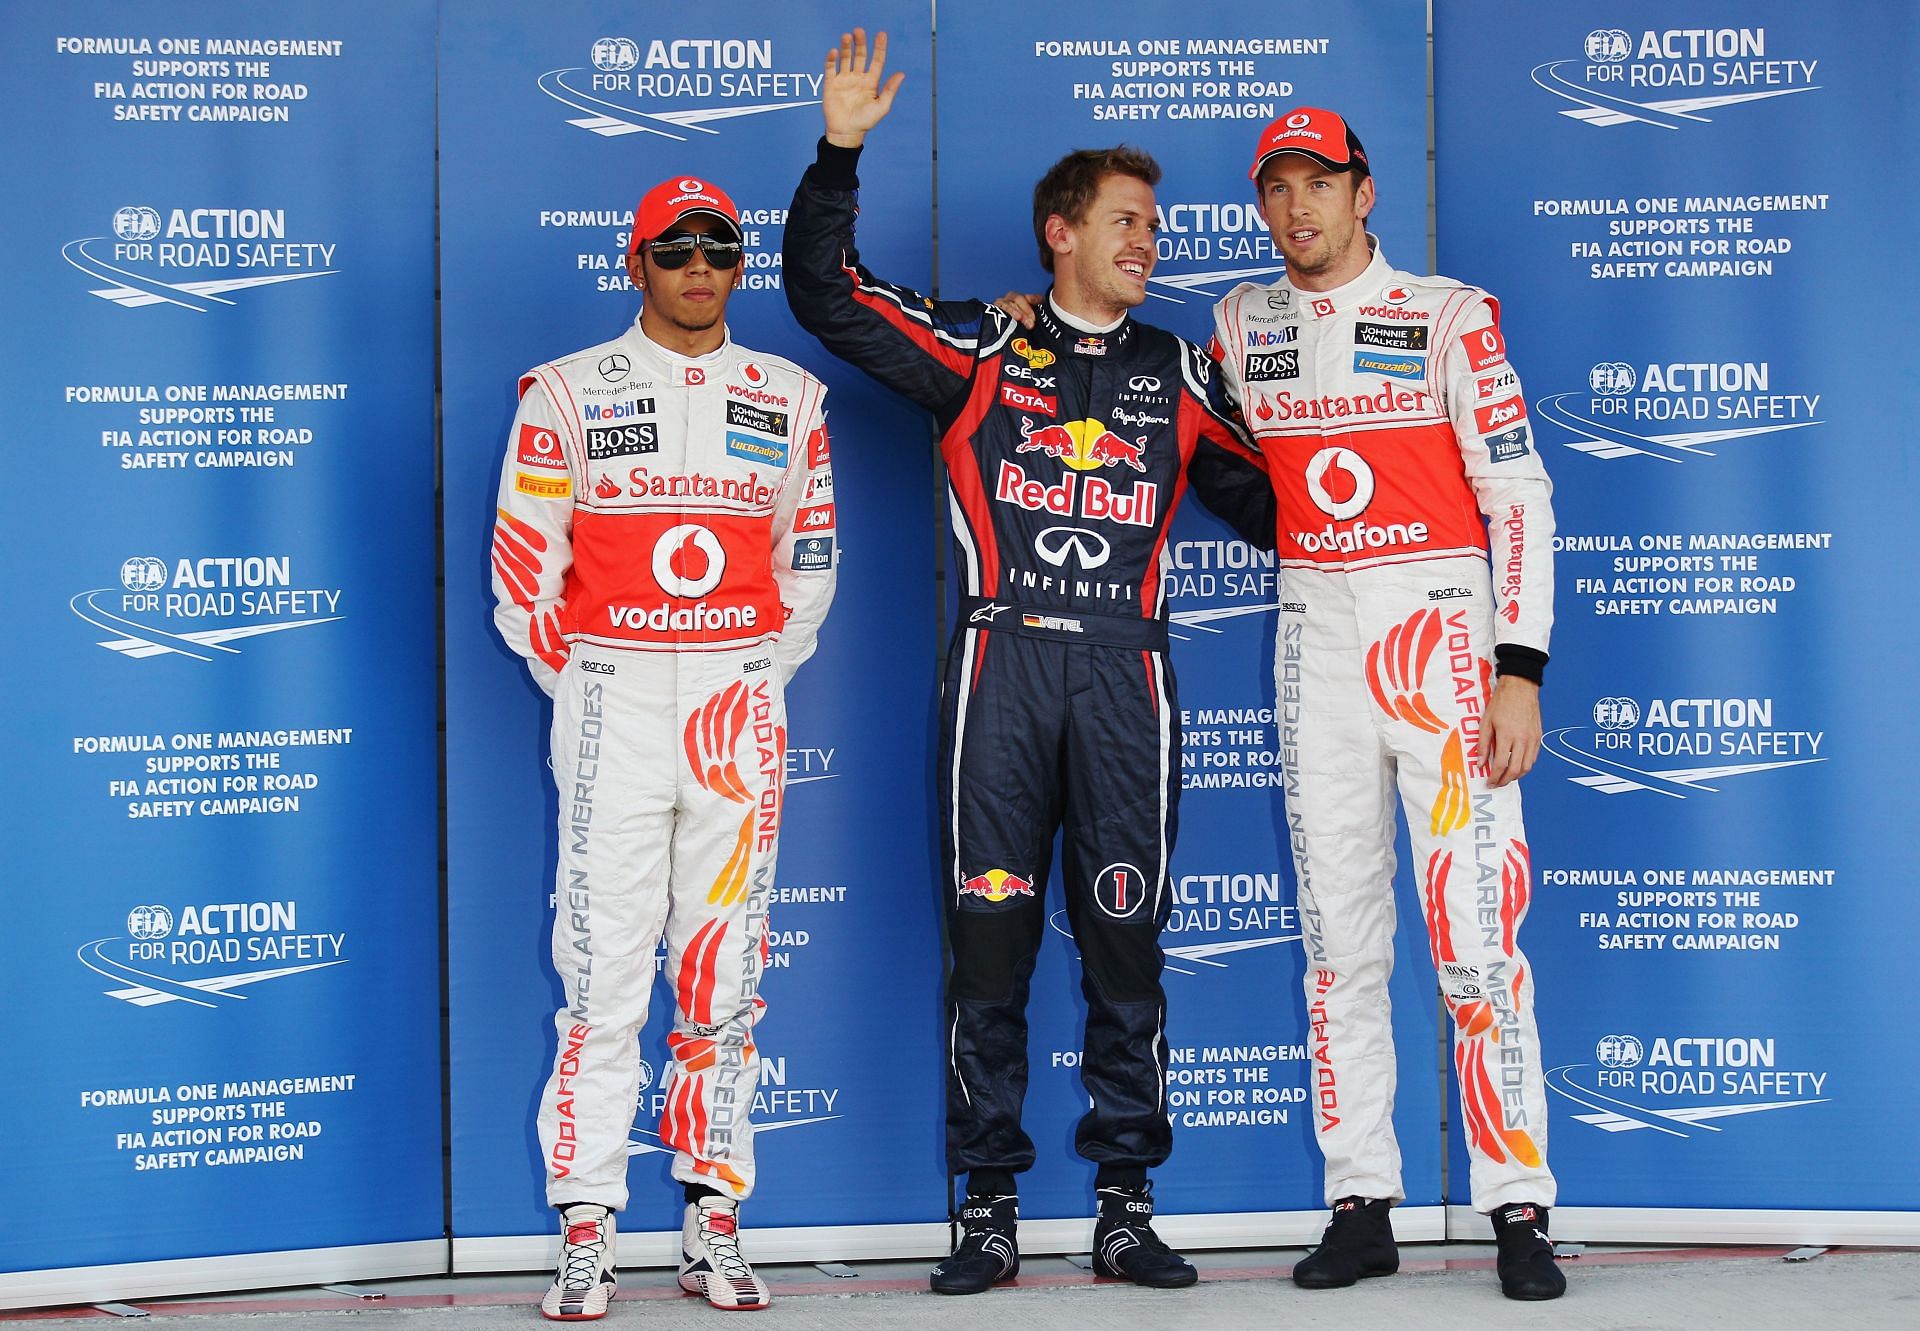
{"type": "Point", "coordinates": [851, 94]}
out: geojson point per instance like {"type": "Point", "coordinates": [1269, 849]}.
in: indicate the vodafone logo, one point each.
{"type": "Point", "coordinates": [1340, 483]}
{"type": "Point", "coordinates": [753, 374]}
{"type": "Point", "coordinates": [688, 560]}
{"type": "Point", "coordinates": [692, 186]}
{"type": "Point", "coordinates": [540, 447]}
{"type": "Point", "coordinates": [1396, 295]}
{"type": "Point", "coordinates": [1299, 120]}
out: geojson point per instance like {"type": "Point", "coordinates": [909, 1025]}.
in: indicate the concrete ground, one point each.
{"type": "Point", "coordinates": [1440, 1287]}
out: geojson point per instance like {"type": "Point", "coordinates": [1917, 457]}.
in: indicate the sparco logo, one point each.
{"type": "Point", "coordinates": [1680, 747]}
{"type": "Point", "coordinates": [1675, 1084]}
{"type": "Point", "coordinates": [1675, 411]}
{"type": "Point", "coordinates": [674, 86]}
{"type": "Point", "coordinates": [199, 607]}
{"type": "Point", "coordinates": [194, 257]}
{"type": "Point", "coordinates": [198, 952]}
{"type": "Point", "coordinates": [1671, 78]}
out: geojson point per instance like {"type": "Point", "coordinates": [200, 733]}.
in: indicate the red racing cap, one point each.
{"type": "Point", "coordinates": [1312, 132]}
{"type": "Point", "coordinates": [673, 201]}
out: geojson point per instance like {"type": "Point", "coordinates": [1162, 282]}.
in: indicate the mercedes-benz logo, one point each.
{"type": "Point", "coordinates": [1088, 548]}
{"type": "Point", "coordinates": [615, 367]}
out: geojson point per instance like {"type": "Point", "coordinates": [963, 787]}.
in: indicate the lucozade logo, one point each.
{"type": "Point", "coordinates": [674, 86]}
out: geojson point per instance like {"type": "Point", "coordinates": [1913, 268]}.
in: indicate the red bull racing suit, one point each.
{"type": "Point", "coordinates": [663, 558]}
{"type": "Point", "coordinates": [1066, 453]}
{"type": "Point", "coordinates": [1396, 435]}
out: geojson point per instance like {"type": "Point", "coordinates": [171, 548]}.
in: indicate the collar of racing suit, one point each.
{"type": "Point", "coordinates": [1080, 337]}
{"type": "Point", "coordinates": [1078, 324]}
{"type": "Point", "coordinates": [720, 355]}
{"type": "Point", "coordinates": [1370, 278]}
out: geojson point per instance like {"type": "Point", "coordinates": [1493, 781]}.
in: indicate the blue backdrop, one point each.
{"type": "Point", "coordinates": [1697, 215]}
{"type": "Point", "coordinates": [218, 957]}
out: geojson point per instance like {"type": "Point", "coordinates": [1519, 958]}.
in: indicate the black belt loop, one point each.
{"type": "Point", "coordinates": [1058, 624]}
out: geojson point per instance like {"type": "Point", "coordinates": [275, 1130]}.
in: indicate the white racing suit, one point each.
{"type": "Point", "coordinates": [1396, 435]}
{"type": "Point", "coordinates": [663, 558]}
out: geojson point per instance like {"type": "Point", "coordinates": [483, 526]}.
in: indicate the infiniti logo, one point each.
{"type": "Point", "coordinates": [1144, 383]}
{"type": "Point", "coordinates": [1089, 549]}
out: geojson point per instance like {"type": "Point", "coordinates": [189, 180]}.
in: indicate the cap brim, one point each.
{"type": "Point", "coordinates": [719, 217]}
{"type": "Point", "coordinates": [1351, 164]}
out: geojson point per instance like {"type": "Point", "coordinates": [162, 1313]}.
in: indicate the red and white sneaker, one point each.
{"type": "Point", "coordinates": [584, 1283]}
{"type": "Point", "coordinates": [711, 1263]}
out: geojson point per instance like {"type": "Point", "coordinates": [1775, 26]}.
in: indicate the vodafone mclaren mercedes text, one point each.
{"type": "Point", "coordinates": [663, 559]}
{"type": "Point", "coordinates": [1397, 438]}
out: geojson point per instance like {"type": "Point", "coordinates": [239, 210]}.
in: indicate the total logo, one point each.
{"type": "Point", "coordinates": [674, 87]}
{"type": "Point", "coordinates": [193, 258]}
{"type": "Point", "coordinates": [1630, 413]}
{"type": "Point", "coordinates": [1668, 79]}
{"type": "Point", "coordinates": [777, 1103]}
{"type": "Point", "coordinates": [1676, 1084]}
{"type": "Point", "coordinates": [199, 952]}
{"type": "Point", "coordinates": [1215, 916]}
{"type": "Point", "coordinates": [198, 608]}
{"type": "Point", "coordinates": [1680, 747]}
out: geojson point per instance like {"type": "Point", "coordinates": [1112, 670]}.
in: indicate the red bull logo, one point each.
{"type": "Point", "coordinates": [1083, 445]}
{"type": "Point", "coordinates": [996, 885]}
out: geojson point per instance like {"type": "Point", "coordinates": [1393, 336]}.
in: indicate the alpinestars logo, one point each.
{"type": "Point", "coordinates": [1707, 741]}
{"type": "Point", "coordinates": [1675, 1085]}
{"type": "Point", "coordinates": [199, 954]}
{"type": "Point", "coordinates": [233, 596]}
{"type": "Point", "coordinates": [673, 88]}
{"type": "Point", "coordinates": [193, 257]}
{"type": "Point", "coordinates": [1698, 69]}
{"type": "Point", "coordinates": [1623, 412]}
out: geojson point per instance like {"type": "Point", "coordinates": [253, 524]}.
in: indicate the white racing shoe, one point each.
{"type": "Point", "coordinates": [711, 1264]}
{"type": "Point", "coordinates": [584, 1283]}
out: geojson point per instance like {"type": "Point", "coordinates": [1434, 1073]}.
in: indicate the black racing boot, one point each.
{"type": "Point", "coordinates": [1526, 1265]}
{"type": "Point", "coordinates": [1125, 1246]}
{"type": "Point", "coordinates": [989, 1250]}
{"type": "Point", "coordinates": [1358, 1243]}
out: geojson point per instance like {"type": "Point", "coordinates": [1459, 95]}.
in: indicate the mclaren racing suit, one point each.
{"type": "Point", "coordinates": [1396, 435]}
{"type": "Point", "coordinates": [663, 558]}
{"type": "Point", "coordinates": [1066, 452]}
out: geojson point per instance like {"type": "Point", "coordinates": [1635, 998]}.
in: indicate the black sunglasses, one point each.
{"type": "Point", "coordinates": [677, 251]}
